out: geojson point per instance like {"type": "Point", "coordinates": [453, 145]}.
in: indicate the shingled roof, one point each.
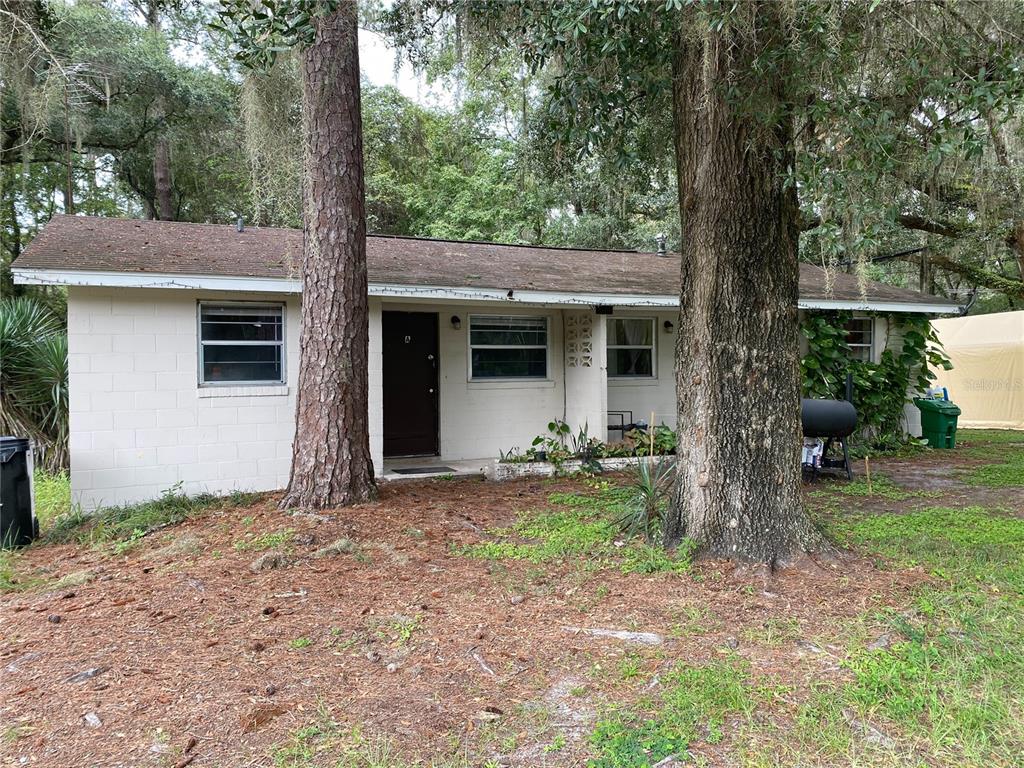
{"type": "Point", "coordinates": [91, 244]}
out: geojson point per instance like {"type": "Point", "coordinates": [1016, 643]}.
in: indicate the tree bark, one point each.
{"type": "Point", "coordinates": [331, 463]}
{"type": "Point", "coordinates": [738, 399]}
{"type": "Point", "coordinates": [162, 185]}
{"type": "Point", "coordinates": [162, 177]}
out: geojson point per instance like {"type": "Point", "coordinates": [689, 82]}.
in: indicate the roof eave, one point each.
{"type": "Point", "coordinates": [35, 276]}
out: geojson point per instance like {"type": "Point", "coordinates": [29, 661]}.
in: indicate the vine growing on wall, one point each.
{"type": "Point", "coordinates": [880, 389]}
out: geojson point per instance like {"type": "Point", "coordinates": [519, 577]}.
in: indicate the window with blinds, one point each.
{"type": "Point", "coordinates": [508, 347]}
{"type": "Point", "coordinates": [241, 344]}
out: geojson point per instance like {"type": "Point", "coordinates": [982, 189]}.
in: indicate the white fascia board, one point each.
{"type": "Point", "coordinates": [445, 293]}
{"type": "Point", "coordinates": [25, 276]}
{"type": "Point", "coordinates": [879, 306]}
{"type": "Point", "coordinates": [154, 280]}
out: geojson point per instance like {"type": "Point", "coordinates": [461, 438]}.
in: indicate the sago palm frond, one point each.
{"type": "Point", "coordinates": [34, 377]}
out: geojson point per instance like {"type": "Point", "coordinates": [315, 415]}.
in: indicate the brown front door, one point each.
{"type": "Point", "coordinates": [410, 383]}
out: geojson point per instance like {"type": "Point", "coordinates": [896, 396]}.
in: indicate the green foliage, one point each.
{"type": "Point", "coordinates": [970, 542]}
{"type": "Point", "coordinates": [1004, 474]}
{"type": "Point", "coordinates": [34, 378]}
{"type": "Point", "coordinates": [580, 527]}
{"type": "Point", "coordinates": [95, 88]}
{"type": "Point", "coordinates": [401, 629]}
{"type": "Point", "coordinates": [52, 496]}
{"type": "Point", "coordinates": [958, 666]}
{"type": "Point", "coordinates": [823, 368]}
{"type": "Point", "coordinates": [905, 113]}
{"type": "Point", "coordinates": [12, 577]}
{"type": "Point", "coordinates": [262, 29]}
{"type": "Point", "coordinates": [694, 705]}
{"type": "Point", "coordinates": [561, 444]}
{"type": "Point", "coordinates": [663, 437]}
{"type": "Point", "coordinates": [133, 521]}
{"type": "Point", "coordinates": [989, 437]}
{"type": "Point", "coordinates": [648, 501]}
{"type": "Point", "coordinates": [879, 389]}
{"type": "Point", "coordinates": [552, 446]}
{"type": "Point", "coordinates": [263, 541]}
{"type": "Point", "coordinates": [880, 487]}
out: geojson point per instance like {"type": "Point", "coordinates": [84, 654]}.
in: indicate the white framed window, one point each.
{"type": "Point", "coordinates": [631, 348]}
{"type": "Point", "coordinates": [241, 343]}
{"type": "Point", "coordinates": [508, 347]}
{"type": "Point", "coordinates": [860, 336]}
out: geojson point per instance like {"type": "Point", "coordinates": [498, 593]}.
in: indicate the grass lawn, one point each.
{"type": "Point", "coordinates": [462, 623]}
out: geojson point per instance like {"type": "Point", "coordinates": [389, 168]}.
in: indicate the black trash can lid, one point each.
{"type": "Point", "coordinates": [13, 443]}
{"type": "Point", "coordinates": [11, 447]}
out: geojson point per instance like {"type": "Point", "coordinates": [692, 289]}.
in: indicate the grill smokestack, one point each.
{"type": "Point", "coordinates": [660, 239]}
{"type": "Point", "coordinates": [240, 225]}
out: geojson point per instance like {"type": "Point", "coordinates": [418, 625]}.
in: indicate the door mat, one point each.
{"type": "Point", "coordinates": [422, 470]}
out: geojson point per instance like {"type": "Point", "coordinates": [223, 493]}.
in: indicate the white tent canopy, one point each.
{"type": "Point", "coordinates": [987, 380]}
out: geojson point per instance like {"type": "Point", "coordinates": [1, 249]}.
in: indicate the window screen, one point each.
{"type": "Point", "coordinates": [859, 336]}
{"type": "Point", "coordinates": [631, 347]}
{"type": "Point", "coordinates": [241, 343]}
{"type": "Point", "coordinates": [508, 347]}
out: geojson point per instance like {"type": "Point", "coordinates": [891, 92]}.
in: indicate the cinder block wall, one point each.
{"type": "Point", "coordinates": [140, 423]}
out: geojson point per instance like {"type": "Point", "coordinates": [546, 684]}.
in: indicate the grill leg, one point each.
{"type": "Point", "coordinates": [846, 459]}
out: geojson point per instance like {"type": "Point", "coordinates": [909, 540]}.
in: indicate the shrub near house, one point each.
{"type": "Point", "coordinates": [881, 388]}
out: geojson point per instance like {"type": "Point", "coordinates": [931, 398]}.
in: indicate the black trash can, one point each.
{"type": "Point", "coordinates": [18, 525]}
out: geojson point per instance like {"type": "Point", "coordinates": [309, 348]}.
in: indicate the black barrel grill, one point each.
{"type": "Point", "coordinates": [834, 420]}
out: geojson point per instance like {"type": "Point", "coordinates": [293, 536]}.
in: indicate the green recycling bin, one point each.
{"type": "Point", "coordinates": [938, 421]}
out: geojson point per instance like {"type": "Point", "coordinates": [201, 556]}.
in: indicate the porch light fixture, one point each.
{"type": "Point", "coordinates": [456, 322]}
{"type": "Point", "coordinates": [668, 326]}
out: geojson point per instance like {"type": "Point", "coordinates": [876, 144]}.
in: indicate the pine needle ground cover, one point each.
{"type": "Point", "coordinates": [462, 623]}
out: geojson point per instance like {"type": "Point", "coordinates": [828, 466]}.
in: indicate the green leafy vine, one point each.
{"type": "Point", "coordinates": [880, 389]}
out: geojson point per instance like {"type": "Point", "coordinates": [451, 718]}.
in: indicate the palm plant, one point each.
{"type": "Point", "coordinates": [34, 378]}
{"type": "Point", "coordinates": [645, 508]}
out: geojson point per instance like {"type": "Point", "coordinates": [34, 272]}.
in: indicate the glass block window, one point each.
{"type": "Point", "coordinates": [631, 347]}
{"type": "Point", "coordinates": [508, 347]}
{"type": "Point", "coordinates": [241, 344]}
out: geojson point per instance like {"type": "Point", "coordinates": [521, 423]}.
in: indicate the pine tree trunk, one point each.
{"type": "Point", "coordinates": [163, 208]}
{"type": "Point", "coordinates": [331, 463]}
{"type": "Point", "coordinates": [162, 179]}
{"type": "Point", "coordinates": [738, 400]}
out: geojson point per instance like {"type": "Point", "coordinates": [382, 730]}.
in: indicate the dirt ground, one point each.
{"type": "Point", "coordinates": [178, 653]}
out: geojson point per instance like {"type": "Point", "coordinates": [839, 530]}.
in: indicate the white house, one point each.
{"type": "Point", "coordinates": [183, 347]}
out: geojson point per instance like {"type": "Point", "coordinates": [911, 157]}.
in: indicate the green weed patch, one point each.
{"type": "Point", "coordinates": [967, 544]}
{"type": "Point", "coordinates": [52, 496]}
{"type": "Point", "coordinates": [12, 578]}
{"type": "Point", "coordinates": [695, 703]}
{"type": "Point", "coordinates": [130, 522]}
{"type": "Point", "coordinates": [879, 487]}
{"type": "Point", "coordinates": [989, 436]}
{"type": "Point", "coordinates": [264, 541]}
{"type": "Point", "coordinates": [579, 526]}
{"type": "Point", "coordinates": [954, 674]}
{"type": "Point", "coordinates": [1004, 474]}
